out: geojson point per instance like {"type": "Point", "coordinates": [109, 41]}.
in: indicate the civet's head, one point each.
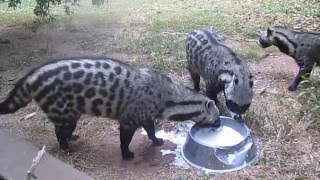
{"type": "Point", "coordinates": [209, 115]}
{"type": "Point", "coordinates": [273, 36]}
{"type": "Point", "coordinates": [238, 91]}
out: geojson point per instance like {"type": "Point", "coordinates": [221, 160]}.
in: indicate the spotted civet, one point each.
{"type": "Point", "coordinates": [304, 47]}
{"type": "Point", "coordinates": [222, 70]}
{"type": "Point", "coordinates": [65, 89]}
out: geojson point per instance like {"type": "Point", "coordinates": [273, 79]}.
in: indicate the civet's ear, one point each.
{"type": "Point", "coordinates": [212, 108]}
{"type": "Point", "coordinates": [269, 32]}
{"type": "Point", "coordinates": [209, 104]}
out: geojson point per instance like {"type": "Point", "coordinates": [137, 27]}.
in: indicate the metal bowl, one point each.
{"type": "Point", "coordinates": [233, 149]}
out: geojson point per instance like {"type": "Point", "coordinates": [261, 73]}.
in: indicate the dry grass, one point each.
{"type": "Point", "coordinates": [152, 33]}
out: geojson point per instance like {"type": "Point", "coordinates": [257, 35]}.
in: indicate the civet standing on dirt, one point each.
{"type": "Point", "coordinates": [304, 47]}
{"type": "Point", "coordinates": [65, 89]}
{"type": "Point", "coordinates": [222, 70]}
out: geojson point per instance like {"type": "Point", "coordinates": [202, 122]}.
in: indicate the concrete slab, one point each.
{"type": "Point", "coordinates": [16, 155]}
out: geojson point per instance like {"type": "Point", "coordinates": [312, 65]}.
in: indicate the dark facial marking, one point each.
{"type": "Point", "coordinates": [236, 81]}
{"type": "Point", "coordinates": [289, 40]}
{"type": "Point", "coordinates": [183, 117]}
{"type": "Point", "coordinates": [269, 32]}
{"type": "Point", "coordinates": [182, 103]}
{"type": "Point", "coordinates": [235, 108]}
{"type": "Point", "coordinates": [225, 71]}
{"type": "Point", "coordinates": [282, 46]}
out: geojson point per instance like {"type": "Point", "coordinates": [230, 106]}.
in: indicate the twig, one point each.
{"type": "Point", "coordinates": [175, 33]}
{"type": "Point", "coordinates": [35, 162]}
{"type": "Point", "coordinates": [28, 116]}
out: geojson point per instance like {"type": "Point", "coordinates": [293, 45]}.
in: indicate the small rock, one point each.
{"type": "Point", "coordinates": [11, 78]}
{"type": "Point", "coordinates": [262, 91]}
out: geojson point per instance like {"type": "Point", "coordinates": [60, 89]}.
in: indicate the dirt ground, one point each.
{"type": "Point", "coordinates": [97, 152]}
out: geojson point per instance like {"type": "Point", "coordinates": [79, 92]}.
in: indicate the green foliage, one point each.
{"type": "Point", "coordinates": [43, 7]}
{"type": "Point", "coordinates": [2, 80]}
{"type": "Point", "coordinates": [14, 3]}
{"type": "Point", "coordinates": [312, 97]}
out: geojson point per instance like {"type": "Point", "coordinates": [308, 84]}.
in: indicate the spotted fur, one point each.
{"type": "Point", "coordinates": [304, 47]}
{"type": "Point", "coordinates": [66, 89]}
{"type": "Point", "coordinates": [222, 70]}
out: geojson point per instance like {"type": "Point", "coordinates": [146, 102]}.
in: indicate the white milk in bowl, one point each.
{"type": "Point", "coordinates": [223, 136]}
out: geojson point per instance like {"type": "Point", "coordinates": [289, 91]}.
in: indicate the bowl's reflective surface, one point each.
{"type": "Point", "coordinates": [222, 156]}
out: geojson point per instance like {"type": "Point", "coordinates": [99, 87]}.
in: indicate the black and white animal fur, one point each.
{"type": "Point", "coordinates": [222, 70]}
{"type": "Point", "coordinates": [304, 47]}
{"type": "Point", "coordinates": [65, 89]}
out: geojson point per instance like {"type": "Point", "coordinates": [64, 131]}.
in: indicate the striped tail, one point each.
{"type": "Point", "coordinates": [19, 97]}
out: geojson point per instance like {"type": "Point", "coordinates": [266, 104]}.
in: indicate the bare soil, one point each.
{"type": "Point", "coordinates": [97, 152]}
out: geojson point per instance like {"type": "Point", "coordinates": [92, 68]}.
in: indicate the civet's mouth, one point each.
{"type": "Point", "coordinates": [263, 43]}
{"type": "Point", "coordinates": [236, 108]}
{"type": "Point", "coordinates": [237, 117]}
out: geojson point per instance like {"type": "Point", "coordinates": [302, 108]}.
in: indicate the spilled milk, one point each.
{"type": "Point", "coordinates": [223, 136]}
